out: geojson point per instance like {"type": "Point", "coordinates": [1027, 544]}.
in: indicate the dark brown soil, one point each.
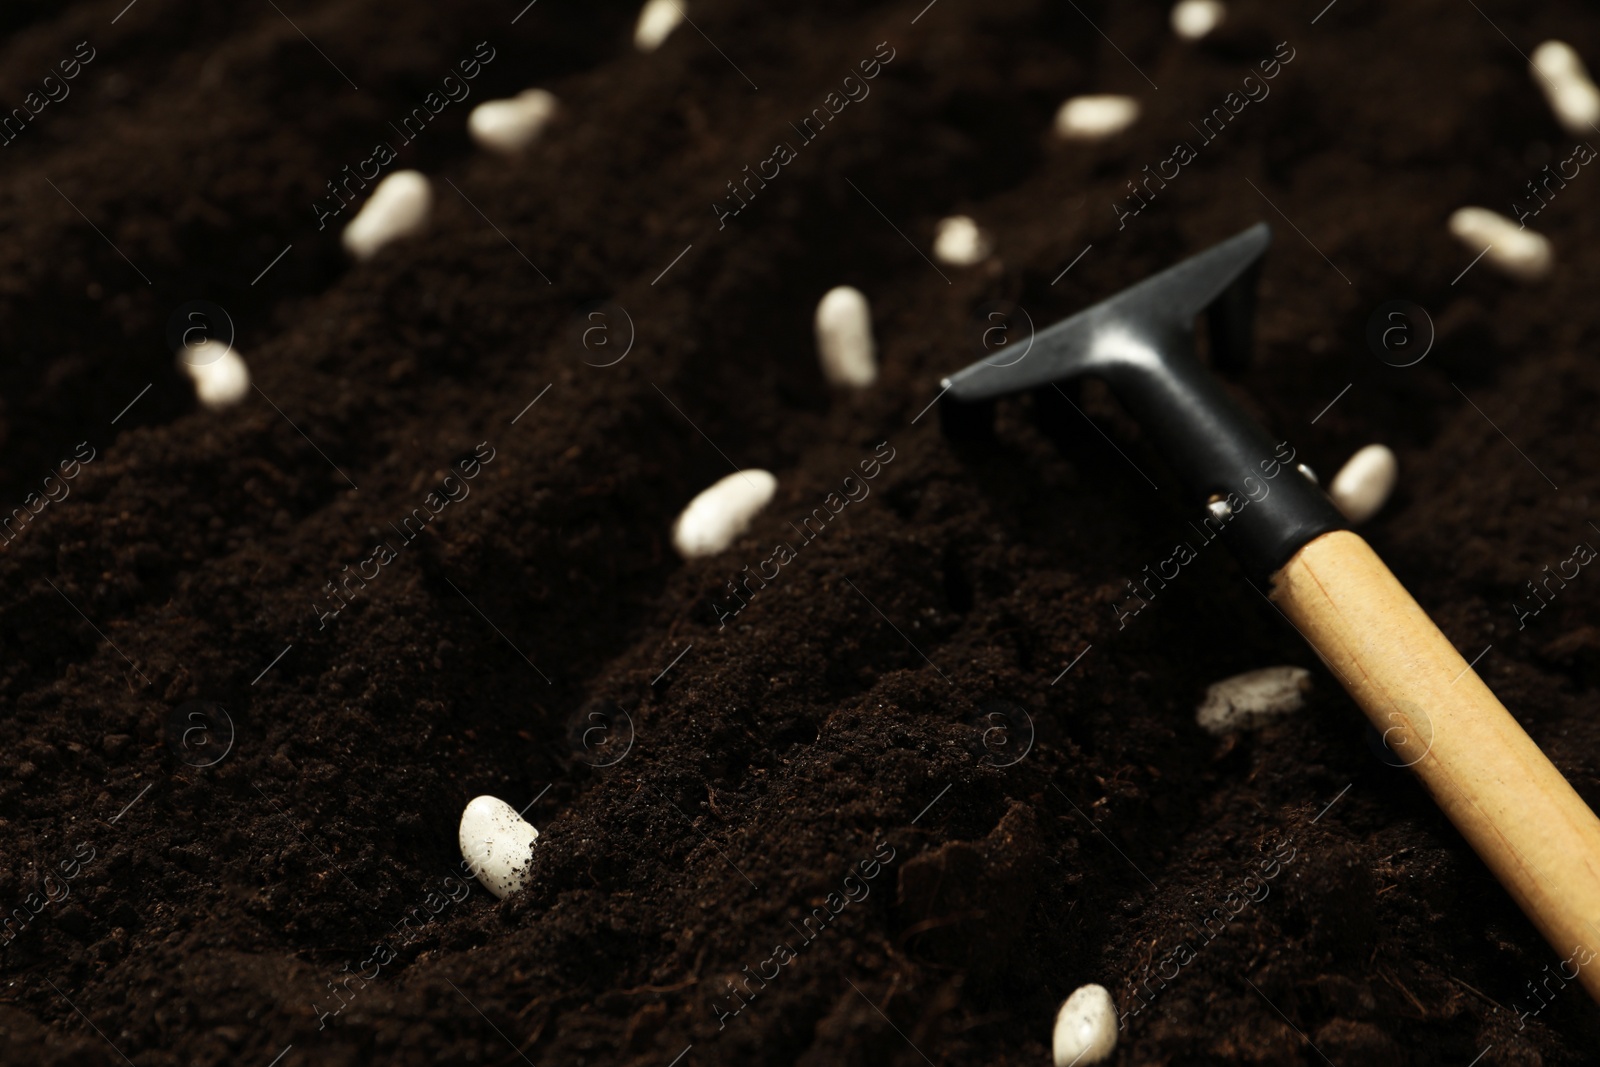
{"type": "Point", "coordinates": [841, 718]}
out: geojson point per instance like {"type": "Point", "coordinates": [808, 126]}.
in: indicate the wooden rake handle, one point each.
{"type": "Point", "coordinates": [1510, 803]}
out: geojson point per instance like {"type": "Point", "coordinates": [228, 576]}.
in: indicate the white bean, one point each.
{"type": "Point", "coordinates": [844, 338]}
{"type": "Point", "coordinates": [398, 207]}
{"type": "Point", "coordinates": [960, 243]}
{"type": "Point", "coordinates": [509, 126]}
{"type": "Point", "coordinates": [1567, 87]}
{"type": "Point", "coordinates": [496, 842]}
{"type": "Point", "coordinates": [1095, 118]}
{"type": "Point", "coordinates": [657, 20]}
{"type": "Point", "coordinates": [1364, 483]}
{"type": "Point", "coordinates": [1193, 19]}
{"type": "Point", "coordinates": [1521, 253]}
{"type": "Point", "coordinates": [721, 513]}
{"type": "Point", "coordinates": [1086, 1027]}
{"type": "Point", "coordinates": [220, 376]}
{"type": "Point", "coordinates": [1253, 699]}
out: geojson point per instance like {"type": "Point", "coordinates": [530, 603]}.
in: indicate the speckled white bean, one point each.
{"type": "Point", "coordinates": [398, 207]}
{"type": "Point", "coordinates": [1253, 699]}
{"type": "Point", "coordinates": [1364, 483]}
{"type": "Point", "coordinates": [220, 376]}
{"type": "Point", "coordinates": [1193, 19]}
{"type": "Point", "coordinates": [1524, 254]}
{"type": "Point", "coordinates": [657, 20]}
{"type": "Point", "coordinates": [844, 338]}
{"type": "Point", "coordinates": [721, 513]}
{"type": "Point", "coordinates": [1086, 1027]}
{"type": "Point", "coordinates": [960, 243]}
{"type": "Point", "coordinates": [1567, 87]}
{"type": "Point", "coordinates": [1096, 118]}
{"type": "Point", "coordinates": [496, 842]}
{"type": "Point", "coordinates": [509, 126]}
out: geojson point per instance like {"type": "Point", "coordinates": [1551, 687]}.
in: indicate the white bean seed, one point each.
{"type": "Point", "coordinates": [721, 513]}
{"type": "Point", "coordinates": [1364, 483]}
{"type": "Point", "coordinates": [398, 207]}
{"type": "Point", "coordinates": [960, 243]}
{"type": "Point", "coordinates": [509, 126]}
{"type": "Point", "coordinates": [220, 376]}
{"type": "Point", "coordinates": [1193, 19]}
{"type": "Point", "coordinates": [1253, 699]}
{"type": "Point", "coordinates": [1095, 118]}
{"type": "Point", "coordinates": [496, 842]}
{"type": "Point", "coordinates": [1567, 87]}
{"type": "Point", "coordinates": [1521, 253]}
{"type": "Point", "coordinates": [1086, 1027]}
{"type": "Point", "coordinates": [657, 20]}
{"type": "Point", "coordinates": [844, 338]}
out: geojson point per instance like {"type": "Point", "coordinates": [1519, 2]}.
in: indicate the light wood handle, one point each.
{"type": "Point", "coordinates": [1503, 794]}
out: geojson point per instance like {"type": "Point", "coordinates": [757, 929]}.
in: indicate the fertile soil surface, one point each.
{"type": "Point", "coordinates": [866, 818]}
